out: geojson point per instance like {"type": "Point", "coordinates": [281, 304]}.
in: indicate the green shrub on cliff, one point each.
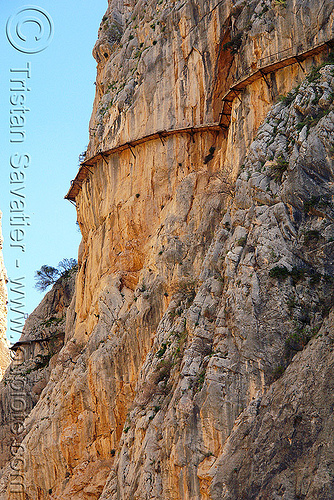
{"type": "Point", "coordinates": [48, 275]}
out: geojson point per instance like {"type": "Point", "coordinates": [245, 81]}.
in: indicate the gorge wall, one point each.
{"type": "Point", "coordinates": [197, 356]}
{"type": "Point", "coordinates": [33, 359]}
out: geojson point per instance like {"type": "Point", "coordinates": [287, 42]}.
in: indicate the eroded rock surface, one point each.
{"type": "Point", "coordinates": [202, 410]}
{"type": "Point", "coordinates": [33, 359]}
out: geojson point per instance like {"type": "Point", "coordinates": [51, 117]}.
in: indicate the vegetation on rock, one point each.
{"type": "Point", "coordinates": [48, 275]}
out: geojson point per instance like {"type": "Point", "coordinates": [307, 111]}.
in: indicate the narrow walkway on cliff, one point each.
{"type": "Point", "coordinates": [264, 67]}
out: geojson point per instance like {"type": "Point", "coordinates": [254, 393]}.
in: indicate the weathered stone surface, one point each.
{"type": "Point", "coordinates": [33, 358]}
{"type": "Point", "coordinates": [282, 446]}
{"type": "Point", "coordinates": [162, 65]}
{"type": "Point", "coordinates": [206, 264]}
{"type": "Point", "coordinates": [264, 290]}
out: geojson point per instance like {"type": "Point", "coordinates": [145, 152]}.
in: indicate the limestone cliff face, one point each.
{"type": "Point", "coordinates": [163, 65]}
{"type": "Point", "coordinates": [33, 359]}
{"type": "Point", "coordinates": [4, 350]}
{"type": "Point", "coordinates": [197, 357]}
{"type": "Point", "coordinates": [264, 290]}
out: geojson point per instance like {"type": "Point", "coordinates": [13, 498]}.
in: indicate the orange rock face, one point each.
{"type": "Point", "coordinates": [189, 297]}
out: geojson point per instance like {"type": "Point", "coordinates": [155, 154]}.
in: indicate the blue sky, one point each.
{"type": "Point", "coordinates": [60, 103]}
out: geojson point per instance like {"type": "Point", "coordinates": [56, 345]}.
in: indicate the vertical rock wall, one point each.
{"type": "Point", "coordinates": [205, 267]}
{"type": "Point", "coordinates": [33, 357]}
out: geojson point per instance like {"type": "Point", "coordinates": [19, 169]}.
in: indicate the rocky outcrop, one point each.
{"type": "Point", "coordinates": [165, 66]}
{"type": "Point", "coordinates": [204, 299]}
{"type": "Point", "coordinates": [203, 410]}
{"type": "Point", "coordinates": [282, 445]}
{"type": "Point", "coordinates": [4, 350]}
{"type": "Point", "coordinates": [33, 359]}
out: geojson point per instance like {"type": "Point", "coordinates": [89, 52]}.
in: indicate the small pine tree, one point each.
{"type": "Point", "coordinates": [48, 275]}
{"type": "Point", "coordinates": [45, 277]}
{"type": "Point", "coordinates": [66, 265]}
